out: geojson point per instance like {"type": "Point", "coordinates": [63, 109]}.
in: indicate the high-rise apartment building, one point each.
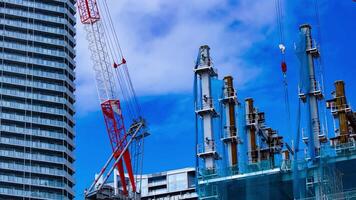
{"type": "Point", "coordinates": [36, 99]}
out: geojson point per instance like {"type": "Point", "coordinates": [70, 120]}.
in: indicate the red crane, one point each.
{"type": "Point", "coordinates": [112, 81]}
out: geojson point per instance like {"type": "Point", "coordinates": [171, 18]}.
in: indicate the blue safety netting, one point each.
{"type": "Point", "coordinates": [305, 88]}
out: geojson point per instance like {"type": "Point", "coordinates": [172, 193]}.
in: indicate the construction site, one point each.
{"type": "Point", "coordinates": [250, 160]}
{"type": "Point", "coordinates": [238, 156]}
{"type": "Point", "coordinates": [236, 153]}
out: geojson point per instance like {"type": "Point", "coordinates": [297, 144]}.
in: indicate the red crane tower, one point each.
{"type": "Point", "coordinates": [113, 82]}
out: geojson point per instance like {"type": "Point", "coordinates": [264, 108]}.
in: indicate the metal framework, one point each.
{"type": "Point", "coordinates": [107, 88]}
{"type": "Point", "coordinates": [88, 11]}
{"type": "Point", "coordinates": [135, 134]}
{"type": "Point", "coordinates": [205, 108]}
{"type": "Point", "coordinates": [230, 138]}
{"type": "Point", "coordinates": [310, 92]}
{"type": "Point", "coordinates": [118, 138]}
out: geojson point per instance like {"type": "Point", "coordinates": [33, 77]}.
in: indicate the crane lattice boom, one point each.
{"type": "Point", "coordinates": [107, 86]}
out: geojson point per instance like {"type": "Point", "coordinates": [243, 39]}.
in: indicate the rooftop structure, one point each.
{"type": "Point", "coordinates": [169, 185]}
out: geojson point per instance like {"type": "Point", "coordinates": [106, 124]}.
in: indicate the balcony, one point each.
{"type": "Point", "coordinates": [157, 183]}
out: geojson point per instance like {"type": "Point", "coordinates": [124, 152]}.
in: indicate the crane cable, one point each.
{"type": "Point", "coordinates": [296, 188]}
{"type": "Point", "coordinates": [122, 75]}
{"type": "Point", "coordinates": [280, 19]}
{"type": "Point", "coordinates": [320, 61]}
{"type": "Point", "coordinates": [124, 81]}
{"type": "Point", "coordinates": [121, 85]}
{"type": "Point", "coordinates": [125, 71]}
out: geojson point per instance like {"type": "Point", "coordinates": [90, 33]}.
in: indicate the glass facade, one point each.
{"type": "Point", "coordinates": [177, 182]}
{"type": "Point", "coordinates": [36, 99]}
{"type": "Point", "coordinates": [170, 185]}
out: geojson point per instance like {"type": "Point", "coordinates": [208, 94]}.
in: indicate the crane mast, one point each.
{"type": "Point", "coordinates": [107, 88]}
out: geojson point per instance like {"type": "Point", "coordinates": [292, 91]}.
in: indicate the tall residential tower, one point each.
{"type": "Point", "coordinates": [36, 99]}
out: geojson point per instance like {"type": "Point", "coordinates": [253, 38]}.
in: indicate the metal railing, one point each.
{"type": "Point", "coordinates": [207, 103]}
{"type": "Point", "coordinates": [208, 146]}
{"type": "Point", "coordinates": [346, 195]}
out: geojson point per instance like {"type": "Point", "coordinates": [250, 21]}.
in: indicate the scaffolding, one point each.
{"type": "Point", "coordinates": [264, 166]}
{"type": "Point", "coordinates": [220, 136]}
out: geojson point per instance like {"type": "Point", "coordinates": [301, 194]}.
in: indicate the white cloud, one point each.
{"type": "Point", "coordinates": [160, 40]}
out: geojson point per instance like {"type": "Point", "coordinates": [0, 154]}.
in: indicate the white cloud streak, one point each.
{"type": "Point", "coordinates": [160, 39]}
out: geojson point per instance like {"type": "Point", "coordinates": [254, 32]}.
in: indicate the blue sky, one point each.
{"type": "Point", "coordinates": [160, 40]}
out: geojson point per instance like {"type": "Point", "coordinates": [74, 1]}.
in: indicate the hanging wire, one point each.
{"type": "Point", "coordinates": [108, 45]}
{"type": "Point", "coordinates": [141, 164]}
{"type": "Point", "coordinates": [116, 40]}
{"type": "Point", "coordinates": [111, 50]}
{"type": "Point", "coordinates": [317, 17]}
{"type": "Point", "coordinates": [121, 71]}
{"type": "Point", "coordinates": [280, 20]}
{"type": "Point", "coordinates": [196, 128]}
{"type": "Point", "coordinates": [125, 72]}
{"type": "Point", "coordinates": [278, 7]}
{"type": "Point", "coordinates": [296, 188]}
{"type": "Point", "coordinates": [123, 78]}
{"type": "Point", "coordinates": [320, 62]}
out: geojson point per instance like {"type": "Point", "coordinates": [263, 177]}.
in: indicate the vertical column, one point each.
{"type": "Point", "coordinates": [311, 98]}
{"type": "Point", "coordinates": [206, 109]}
{"type": "Point", "coordinates": [341, 106]}
{"type": "Point", "coordinates": [342, 113]}
{"type": "Point", "coordinates": [251, 131]}
{"type": "Point", "coordinates": [313, 93]}
{"type": "Point", "coordinates": [230, 136]}
{"type": "Point", "coordinates": [116, 183]}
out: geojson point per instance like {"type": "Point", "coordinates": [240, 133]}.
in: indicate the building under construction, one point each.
{"type": "Point", "coordinates": [238, 155]}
